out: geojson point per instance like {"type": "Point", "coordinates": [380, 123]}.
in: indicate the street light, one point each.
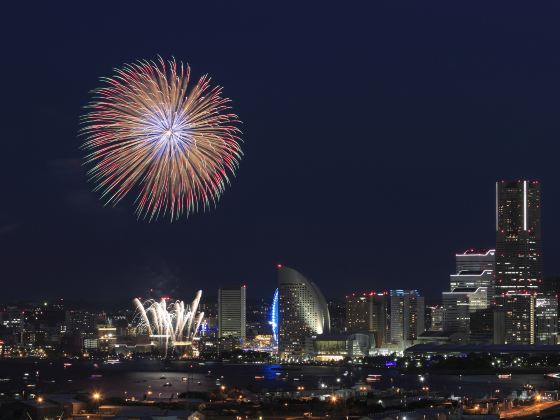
{"type": "Point", "coordinates": [39, 400]}
{"type": "Point", "coordinates": [96, 396]}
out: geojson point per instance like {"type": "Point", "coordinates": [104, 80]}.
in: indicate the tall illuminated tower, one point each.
{"type": "Point", "coordinates": [519, 274]}
{"type": "Point", "coordinates": [518, 237]}
{"type": "Point", "coordinates": [302, 311]}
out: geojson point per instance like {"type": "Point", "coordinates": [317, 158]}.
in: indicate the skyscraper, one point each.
{"type": "Point", "coordinates": [232, 303]}
{"type": "Point", "coordinates": [303, 312]}
{"type": "Point", "coordinates": [518, 237]}
{"type": "Point", "coordinates": [367, 312]}
{"type": "Point", "coordinates": [407, 316]}
{"type": "Point", "coordinates": [518, 257]}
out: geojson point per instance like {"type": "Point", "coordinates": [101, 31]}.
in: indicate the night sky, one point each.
{"type": "Point", "coordinates": [373, 135]}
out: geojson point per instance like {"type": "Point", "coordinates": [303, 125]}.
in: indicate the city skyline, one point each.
{"type": "Point", "coordinates": [268, 210]}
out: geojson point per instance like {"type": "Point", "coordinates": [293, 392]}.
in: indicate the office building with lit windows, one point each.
{"type": "Point", "coordinates": [232, 312]}
{"type": "Point", "coordinates": [302, 313]}
{"type": "Point", "coordinates": [518, 237]}
{"type": "Point", "coordinates": [407, 316]}
{"type": "Point", "coordinates": [518, 271]}
{"type": "Point", "coordinates": [367, 312]}
{"type": "Point", "coordinates": [519, 318]}
{"type": "Point", "coordinates": [459, 304]}
{"type": "Point", "coordinates": [546, 319]}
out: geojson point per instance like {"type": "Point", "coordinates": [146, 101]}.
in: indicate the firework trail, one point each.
{"type": "Point", "coordinates": [172, 324]}
{"type": "Point", "coordinates": [150, 134]}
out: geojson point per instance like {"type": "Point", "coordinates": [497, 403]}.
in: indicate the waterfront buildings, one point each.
{"type": "Point", "coordinates": [337, 347]}
{"type": "Point", "coordinates": [303, 313]}
{"type": "Point", "coordinates": [407, 316]}
{"type": "Point", "coordinates": [232, 307]}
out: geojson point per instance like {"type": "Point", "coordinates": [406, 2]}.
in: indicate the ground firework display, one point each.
{"type": "Point", "coordinates": [149, 134]}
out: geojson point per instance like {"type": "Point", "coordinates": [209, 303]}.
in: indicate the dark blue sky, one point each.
{"type": "Point", "coordinates": [374, 133]}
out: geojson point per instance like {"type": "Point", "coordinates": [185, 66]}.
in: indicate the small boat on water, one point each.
{"type": "Point", "coordinates": [504, 376]}
{"type": "Point", "coordinates": [259, 377]}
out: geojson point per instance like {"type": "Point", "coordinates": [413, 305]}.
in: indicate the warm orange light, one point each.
{"type": "Point", "coordinates": [96, 396]}
{"type": "Point", "coordinates": [39, 399]}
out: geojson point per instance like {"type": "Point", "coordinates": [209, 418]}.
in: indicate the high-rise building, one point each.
{"type": "Point", "coordinates": [407, 316]}
{"type": "Point", "coordinates": [519, 318]}
{"type": "Point", "coordinates": [303, 312]}
{"type": "Point", "coordinates": [459, 304]}
{"type": "Point", "coordinates": [367, 312]}
{"type": "Point", "coordinates": [518, 237]}
{"type": "Point", "coordinates": [518, 270]}
{"type": "Point", "coordinates": [232, 307]}
{"type": "Point", "coordinates": [546, 323]}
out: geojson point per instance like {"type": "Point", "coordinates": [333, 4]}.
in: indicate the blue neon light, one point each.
{"type": "Point", "coordinates": [274, 316]}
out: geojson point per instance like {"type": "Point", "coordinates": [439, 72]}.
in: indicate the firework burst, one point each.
{"type": "Point", "coordinates": [172, 324]}
{"type": "Point", "coordinates": [150, 134]}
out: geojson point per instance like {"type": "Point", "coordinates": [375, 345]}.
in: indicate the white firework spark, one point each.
{"type": "Point", "coordinates": [172, 324]}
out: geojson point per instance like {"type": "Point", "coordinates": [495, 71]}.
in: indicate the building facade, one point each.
{"type": "Point", "coordinates": [546, 319]}
{"type": "Point", "coordinates": [459, 304]}
{"type": "Point", "coordinates": [475, 260]}
{"type": "Point", "coordinates": [367, 312]}
{"type": "Point", "coordinates": [519, 318]}
{"type": "Point", "coordinates": [232, 316]}
{"type": "Point", "coordinates": [302, 313]}
{"type": "Point", "coordinates": [407, 316]}
{"type": "Point", "coordinates": [435, 318]}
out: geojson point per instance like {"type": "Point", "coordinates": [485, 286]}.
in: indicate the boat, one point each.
{"type": "Point", "coordinates": [259, 377]}
{"type": "Point", "coordinates": [373, 378]}
{"type": "Point", "coordinates": [504, 376]}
